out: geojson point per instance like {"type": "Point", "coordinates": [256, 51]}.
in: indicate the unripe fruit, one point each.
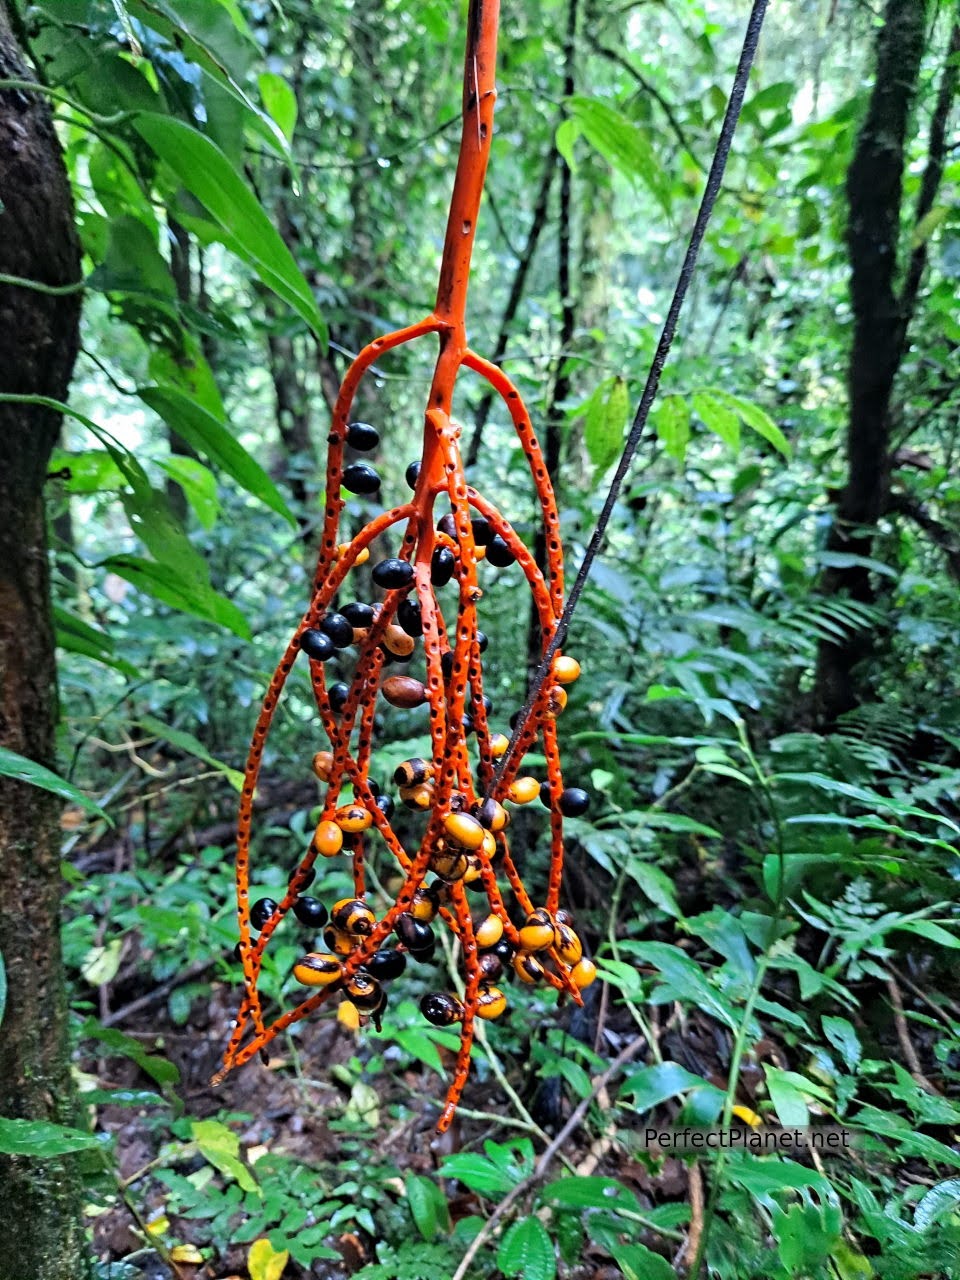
{"type": "Point", "coordinates": [425, 904]}
{"type": "Point", "coordinates": [352, 915]}
{"type": "Point", "coordinates": [492, 815]}
{"type": "Point", "coordinates": [353, 818]}
{"type": "Point", "coordinates": [361, 557]}
{"type": "Point", "coordinates": [404, 691]}
{"type": "Point", "coordinates": [418, 798]}
{"type": "Point", "coordinates": [556, 701]}
{"type": "Point", "coordinates": [537, 933]}
{"type": "Point", "coordinates": [498, 745]}
{"type": "Point", "coordinates": [338, 941]}
{"type": "Point", "coordinates": [328, 838]}
{"type": "Point", "coordinates": [348, 1015]}
{"type": "Point", "coordinates": [583, 974]}
{"type": "Point", "coordinates": [527, 967]}
{"type": "Point", "coordinates": [523, 790]}
{"type": "Point", "coordinates": [565, 669]}
{"type": "Point", "coordinates": [412, 772]}
{"type": "Point", "coordinates": [365, 991]}
{"type": "Point", "coordinates": [322, 765]}
{"type": "Point", "coordinates": [360, 478]}
{"type": "Point", "coordinates": [568, 945]}
{"type": "Point", "coordinates": [450, 865]}
{"type": "Point", "coordinates": [463, 830]}
{"type": "Point", "coordinates": [489, 931]}
{"type": "Point", "coordinates": [491, 1003]}
{"type": "Point", "coordinates": [397, 641]}
{"type": "Point", "coordinates": [318, 969]}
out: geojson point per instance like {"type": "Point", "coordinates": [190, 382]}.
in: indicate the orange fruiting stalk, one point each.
{"type": "Point", "coordinates": [466, 838]}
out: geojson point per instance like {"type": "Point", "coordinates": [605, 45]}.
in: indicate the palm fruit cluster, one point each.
{"type": "Point", "coordinates": [419, 644]}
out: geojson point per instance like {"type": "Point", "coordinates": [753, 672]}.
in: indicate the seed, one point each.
{"type": "Point", "coordinates": [398, 642]}
{"type": "Point", "coordinates": [360, 477]}
{"type": "Point", "coordinates": [556, 701]}
{"type": "Point", "coordinates": [527, 967]}
{"type": "Point", "coordinates": [489, 931]}
{"type": "Point", "coordinates": [359, 615]}
{"type": "Point", "coordinates": [565, 669]}
{"type": "Point", "coordinates": [317, 645]}
{"type": "Point", "coordinates": [386, 964]}
{"type": "Point", "coordinates": [352, 915]}
{"type": "Point", "coordinates": [490, 966]}
{"type": "Point", "coordinates": [463, 830]}
{"type": "Point", "coordinates": [328, 838]}
{"type": "Point", "coordinates": [425, 904]}
{"type": "Point", "coordinates": [574, 802]}
{"type": "Point", "coordinates": [537, 933]}
{"type": "Point", "coordinates": [492, 1003]}
{"type": "Point", "coordinates": [446, 524]}
{"type": "Point", "coordinates": [310, 912]}
{"type": "Point", "coordinates": [523, 790]}
{"type": "Point", "coordinates": [353, 818]}
{"type": "Point", "coordinates": [386, 805]}
{"type": "Point", "coordinates": [412, 474]}
{"type": "Point", "coordinates": [442, 564]}
{"type": "Point", "coordinates": [362, 437]}
{"type": "Point", "coordinates": [441, 1009]}
{"type": "Point", "coordinates": [338, 694]}
{"type": "Point", "coordinates": [317, 969]}
{"type": "Point", "coordinates": [412, 772]}
{"type": "Point", "coordinates": [408, 616]}
{"type": "Point", "coordinates": [261, 911]}
{"type": "Point", "coordinates": [322, 765]}
{"type": "Point", "coordinates": [499, 553]}
{"type": "Point", "coordinates": [583, 974]}
{"type": "Point", "coordinates": [393, 573]}
{"type": "Point", "coordinates": [338, 628]}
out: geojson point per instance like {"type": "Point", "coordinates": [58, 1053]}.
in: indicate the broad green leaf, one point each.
{"type": "Point", "coordinates": [652, 1085]}
{"type": "Point", "coordinates": [102, 963]}
{"type": "Point", "coordinates": [607, 415]}
{"type": "Point", "coordinates": [221, 1147]}
{"type": "Point", "coordinates": [757, 419]}
{"type": "Point", "coordinates": [75, 635]}
{"type": "Point", "coordinates": [928, 225]}
{"type": "Point", "coordinates": [156, 1067]}
{"type": "Point", "coordinates": [526, 1251]}
{"type": "Point", "coordinates": [591, 1193]}
{"type": "Point", "coordinates": [91, 471]}
{"type": "Point", "coordinates": [191, 745]}
{"type": "Point", "coordinates": [266, 1263]}
{"type": "Point", "coordinates": [843, 1036]}
{"type": "Point", "coordinates": [208, 175]}
{"type": "Point", "coordinates": [280, 101]}
{"type": "Point", "coordinates": [931, 931]}
{"type": "Point", "coordinates": [19, 767]}
{"type": "Point", "coordinates": [685, 979]}
{"type": "Point", "coordinates": [671, 421]}
{"type": "Point", "coordinates": [568, 131]}
{"type": "Point", "coordinates": [718, 418]}
{"type": "Point", "coordinates": [41, 1140]}
{"type": "Point", "coordinates": [624, 145]}
{"type": "Point", "coordinates": [478, 1173]}
{"type": "Point", "coordinates": [637, 1262]}
{"type": "Point", "coordinates": [428, 1205]}
{"type": "Point", "coordinates": [163, 583]}
{"type": "Point", "coordinates": [133, 264]}
{"type": "Point", "coordinates": [208, 436]}
{"type": "Point", "coordinates": [655, 884]}
{"type": "Point", "coordinates": [940, 1201]}
{"type": "Point", "coordinates": [198, 483]}
{"type": "Point", "coordinates": [788, 1099]}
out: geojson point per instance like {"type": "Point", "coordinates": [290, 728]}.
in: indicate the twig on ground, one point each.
{"type": "Point", "coordinates": [903, 1035]}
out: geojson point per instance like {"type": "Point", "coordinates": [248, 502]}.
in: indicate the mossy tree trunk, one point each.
{"type": "Point", "coordinates": [41, 1235]}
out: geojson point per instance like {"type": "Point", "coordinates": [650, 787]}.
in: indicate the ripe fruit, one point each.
{"type": "Point", "coordinates": [442, 564]}
{"type": "Point", "coordinates": [393, 573]}
{"type": "Point", "coordinates": [404, 691]}
{"type": "Point", "coordinates": [408, 616]}
{"type": "Point", "coordinates": [441, 1009]}
{"type": "Point", "coordinates": [338, 694]}
{"type": "Point", "coordinates": [322, 764]}
{"type": "Point", "coordinates": [573, 802]}
{"type": "Point", "coordinates": [365, 991]}
{"type": "Point", "coordinates": [338, 628]}
{"type": "Point", "coordinates": [386, 964]}
{"type": "Point", "coordinates": [359, 615]}
{"type": "Point", "coordinates": [415, 935]}
{"type": "Point", "coordinates": [398, 642]}
{"type": "Point", "coordinates": [386, 805]}
{"type": "Point", "coordinates": [412, 474]}
{"type": "Point", "coordinates": [317, 645]}
{"type": "Point", "coordinates": [310, 912]}
{"type": "Point", "coordinates": [261, 911]}
{"type": "Point", "coordinates": [362, 437]}
{"type": "Point", "coordinates": [499, 553]}
{"type": "Point", "coordinates": [361, 478]}
{"type": "Point", "coordinates": [482, 533]}
{"type": "Point", "coordinates": [426, 903]}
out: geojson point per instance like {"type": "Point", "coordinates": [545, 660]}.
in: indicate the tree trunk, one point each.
{"type": "Point", "coordinates": [41, 1233]}
{"type": "Point", "coordinates": [874, 193]}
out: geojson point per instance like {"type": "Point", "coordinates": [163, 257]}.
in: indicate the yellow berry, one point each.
{"type": "Point", "coordinates": [328, 838]}
{"type": "Point", "coordinates": [523, 790]}
{"type": "Point", "coordinates": [489, 931]}
{"type": "Point", "coordinates": [583, 974]}
{"type": "Point", "coordinates": [537, 933]}
{"type": "Point", "coordinates": [463, 830]}
{"type": "Point", "coordinates": [317, 969]}
{"type": "Point", "coordinates": [565, 669]}
{"type": "Point", "coordinates": [353, 818]}
{"type": "Point", "coordinates": [348, 1015]}
{"type": "Point", "coordinates": [492, 1003]}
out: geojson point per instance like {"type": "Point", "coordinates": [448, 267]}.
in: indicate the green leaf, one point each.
{"type": "Point", "coordinates": [41, 1140]}
{"type": "Point", "coordinates": [527, 1251]}
{"type": "Point", "coordinates": [939, 1202]}
{"type": "Point", "coordinates": [221, 1147]}
{"type": "Point", "coordinates": [478, 1173]}
{"type": "Point", "coordinates": [671, 421]}
{"type": "Point", "coordinates": [685, 979]}
{"type": "Point", "coordinates": [608, 412]}
{"type": "Point", "coordinates": [931, 931]}
{"type": "Point", "coordinates": [624, 145]}
{"type": "Point", "coordinates": [637, 1262]}
{"type": "Point", "coordinates": [650, 1086]}
{"type": "Point", "coordinates": [210, 437]}
{"type": "Point", "coordinates": [928, 225]}
{"type": "Point", "coordinates": [208, 175]}
{"type": "Point", "coordinates": [428, 1205]}
{"type": "Point", "coordinates": [718, 418]}
{"type": "Point", "coordinates": [757, 419]}
{"type": "Point", "coordinates": [198, 483]}
{"type": "Point", "coordinates": [91, 471]}
{"type": "Point", "coordinates": [163, 583]}
{"type": "Point", "coordinates": [19, 767]}
{"type": "Point", "coordinates": [156, 1067]}
{"type": "Point", "coordinates": [75, 635]}
{"type": "Point", "coordinates": [591, 1193]}
{"type": "Point", "coordinates": [568, 131]}
{"type": "Point", "coordinates": [280, 101]}
{"type": "Point", "coordinates": [191, 745]}
{"type": "Point", "coordinates": [842, 1034]}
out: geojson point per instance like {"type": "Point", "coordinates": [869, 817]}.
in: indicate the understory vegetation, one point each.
{"type": "Point", "coordinates": [768, 716]}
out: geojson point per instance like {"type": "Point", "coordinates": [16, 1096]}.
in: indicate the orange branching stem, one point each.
{"type": "Point", "coordinates": [462, 797]}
